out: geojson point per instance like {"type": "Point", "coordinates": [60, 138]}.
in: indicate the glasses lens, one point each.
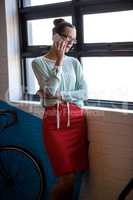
{"type": "Point", "coordinates": [74, 41]}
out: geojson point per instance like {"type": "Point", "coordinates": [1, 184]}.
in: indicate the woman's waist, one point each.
{"type": "Point", "coordinates": [47, 103]}
{"type": "Point", "coordinates": [63, 110]}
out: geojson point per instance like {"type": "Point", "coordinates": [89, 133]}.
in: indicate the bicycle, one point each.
{"type": "Point", "coordinates": [127, 189]}
{"type": "Point", "coordinates": [21, 175]}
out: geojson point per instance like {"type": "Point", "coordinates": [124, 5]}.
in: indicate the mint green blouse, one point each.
{"type": "Point", "coordinates": [69, 80]}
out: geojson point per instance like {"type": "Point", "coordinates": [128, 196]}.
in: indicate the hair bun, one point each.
{"type": "Point", "coordinates": [58, 21]}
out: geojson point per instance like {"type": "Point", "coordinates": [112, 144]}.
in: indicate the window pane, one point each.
{"type": "Point", "coordinates": [109, 78]}
{"type": "Point", "coordinates": [108, 27]}
{"type": "Point", "coordinates": [41, 2]}
{"type": "Point", "coordinates": [32, 84]}
{"type": "Point", "coordinates": [40, 31]}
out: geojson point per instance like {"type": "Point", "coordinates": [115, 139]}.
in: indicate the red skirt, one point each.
{"type": "Point", "coordinates": [66, 145]}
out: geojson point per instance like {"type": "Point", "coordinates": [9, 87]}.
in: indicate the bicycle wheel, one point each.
{"type": "Point", "coordinates": [21, 177]}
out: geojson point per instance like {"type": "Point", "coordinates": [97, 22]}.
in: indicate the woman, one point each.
{"type": "Point", "coordinates": [63, 89]}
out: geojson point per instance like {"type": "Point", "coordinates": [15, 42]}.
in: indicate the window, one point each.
{"type": "Point", "coordinates": [32, 84]}
{"type": "Point", "coordinates": [109, 78]}
{"type": "Point", "coordinates": [41, 2]}
{"type": "Point", "coordinates": [40, 31]}
{"type": "Point", "coordinates": [108, 27]}
{"type": "Point", "coordinates": [104, 45]}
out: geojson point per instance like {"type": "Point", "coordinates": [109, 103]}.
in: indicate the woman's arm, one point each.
{"type": "Point", "coordinates": [48, 82]}
{"type": "Point", "coordinates": [42, 94]}
{"type": "Point", "coordinates": [81, 90]}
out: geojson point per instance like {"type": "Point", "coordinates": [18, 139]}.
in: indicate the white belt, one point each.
{"type": "Point", "coordinates": [58, 115]}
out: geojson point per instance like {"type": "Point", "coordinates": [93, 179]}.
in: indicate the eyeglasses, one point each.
{"type": "Point", "coordinates": [71, 40]}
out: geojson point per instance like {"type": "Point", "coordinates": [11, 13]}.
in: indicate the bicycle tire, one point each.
{"type": "Point", "coordinates": [24, 171]}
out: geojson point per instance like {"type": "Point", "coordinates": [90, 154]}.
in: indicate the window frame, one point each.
{"type": "Point", "coordinates": [76, 9]}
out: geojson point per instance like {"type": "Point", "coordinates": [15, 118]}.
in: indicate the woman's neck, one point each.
{"type": "Point", "coordinates": [51, 54]}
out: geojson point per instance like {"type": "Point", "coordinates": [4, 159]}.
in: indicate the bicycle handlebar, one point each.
{"type": "Point", "coordinates": [13, 114]}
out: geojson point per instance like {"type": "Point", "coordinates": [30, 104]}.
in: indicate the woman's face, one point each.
{"type": "Point", "coordinates": [69, 35]}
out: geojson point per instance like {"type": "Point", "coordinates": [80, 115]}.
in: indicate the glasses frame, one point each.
{"type": "Point", "coordinates": [64, 36]}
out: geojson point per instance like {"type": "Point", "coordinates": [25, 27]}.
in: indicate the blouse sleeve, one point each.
{"type": "Point", "coordinates": [47, 82]}
{"type": "Point", "coordinates": [81, 90]}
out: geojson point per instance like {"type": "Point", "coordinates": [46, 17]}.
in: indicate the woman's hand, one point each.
{"type": "Point", "coordinates": [60, 47]}
{"type": "Point", "coordinates": [47, 95]}
{"type": "Point", "coordinates": [40, 93]}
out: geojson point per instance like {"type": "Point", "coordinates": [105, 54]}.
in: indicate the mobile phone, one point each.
{"type": "Point", "coordinates": [57, 38]}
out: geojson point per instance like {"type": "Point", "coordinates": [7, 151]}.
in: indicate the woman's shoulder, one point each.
{"type": "Point", "coordinates": [76, 63]}
{"type": "Point", "coordinates": [72, 59]}
{"type": "Point", "coordinates": [37, 60]}
{"type": "Point", "coordinates": [37, 64]}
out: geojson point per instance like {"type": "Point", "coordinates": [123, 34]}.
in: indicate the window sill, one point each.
{"type": "Point", "coordinates": [108, 109]}
{"type": "Point", "coordinates": [36, 103]}
{"type": "Point", "coordinates": [25, 102]}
